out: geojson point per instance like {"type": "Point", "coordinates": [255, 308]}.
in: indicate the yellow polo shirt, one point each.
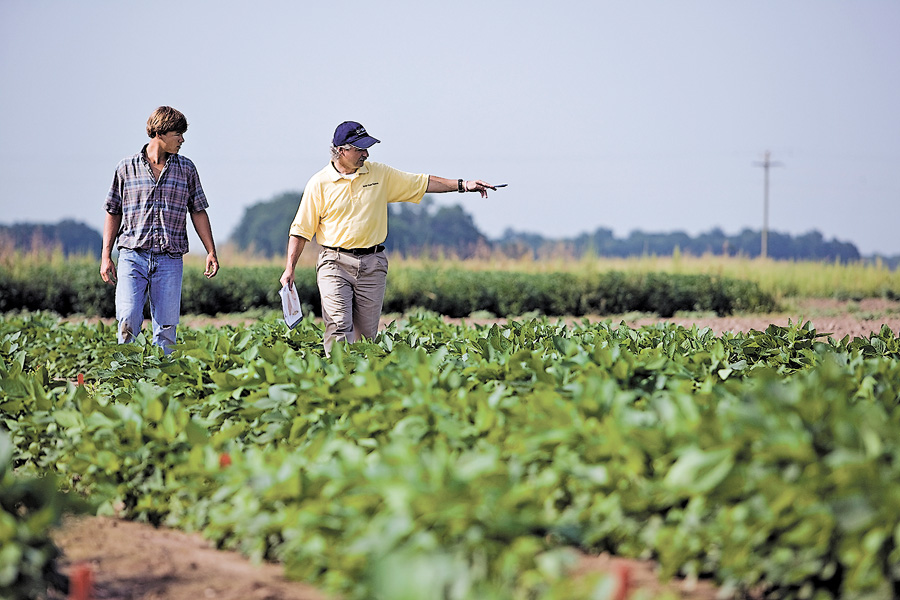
{"type": "Point", "coordinates": [350, 211]}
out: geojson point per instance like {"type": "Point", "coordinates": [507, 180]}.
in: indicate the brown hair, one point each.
{"type": "Point", "coordinates": [165, 119]}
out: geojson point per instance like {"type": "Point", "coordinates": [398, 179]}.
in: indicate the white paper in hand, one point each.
{"type": "Point", "coordinates": [290, 304]}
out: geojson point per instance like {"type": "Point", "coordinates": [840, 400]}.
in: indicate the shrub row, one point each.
{"type": "Point", "coordinates": [459, 293]}
{"type": "Point", "coordinates": [77, 288]}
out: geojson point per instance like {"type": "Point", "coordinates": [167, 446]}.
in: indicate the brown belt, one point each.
{"type": "Point", "coordinates": [357, 251]}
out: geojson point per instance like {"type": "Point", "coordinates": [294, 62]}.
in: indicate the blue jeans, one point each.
{"type": "Point", "coordinates": [140, 272]}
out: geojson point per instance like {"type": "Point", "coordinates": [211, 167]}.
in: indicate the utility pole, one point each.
{"type": "Point", "coordinates": [766, 164]}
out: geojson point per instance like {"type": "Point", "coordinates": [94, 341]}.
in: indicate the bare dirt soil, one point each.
{"type": "Point", "coordinates": [835, 317]}
{"type": "Point", "coordinates": [134, 561]}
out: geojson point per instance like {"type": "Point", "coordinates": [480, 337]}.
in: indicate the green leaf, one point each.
{"type": "Point", "coordinates": [697, 472]}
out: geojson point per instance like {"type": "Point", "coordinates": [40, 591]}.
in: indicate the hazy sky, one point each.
{"type": "Point", "coordinates": [626, 115]}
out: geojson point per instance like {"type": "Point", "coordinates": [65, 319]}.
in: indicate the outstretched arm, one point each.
{"type": "Point", "coordinates": [438, 185]}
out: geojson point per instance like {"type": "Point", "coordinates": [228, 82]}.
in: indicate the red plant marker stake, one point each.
{"type": "Point", "coordinates": [81, 379]}
{"type": "Point", "coordinates": [622, 574]}
{"type": "Point", "coordinates": [81, 582]}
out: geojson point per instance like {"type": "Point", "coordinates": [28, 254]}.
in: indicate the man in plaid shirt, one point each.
{"type": "Point", "coordinates": [146, 210]}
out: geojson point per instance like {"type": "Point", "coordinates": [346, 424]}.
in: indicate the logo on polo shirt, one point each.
{"type": "Point", "coordinates": [370, 184]}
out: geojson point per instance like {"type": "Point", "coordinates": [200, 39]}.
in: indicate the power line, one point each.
{"type": "Point", "coordinates": [766, 164]}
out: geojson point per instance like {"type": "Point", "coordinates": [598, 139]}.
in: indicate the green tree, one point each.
{"type": "Point", "coordinates": [413, 228]}
{"type": "Point", "coordinates": [265, 226]}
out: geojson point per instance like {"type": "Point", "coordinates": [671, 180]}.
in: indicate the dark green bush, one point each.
{"type": "Point", "coordinates": [78, 289]}
{"type": "Point", "coordinates": [73, 288]}
{"type": "Point", "coordinates": [458, 293]}
{"type": "Point", "coordinates": [241, 289]}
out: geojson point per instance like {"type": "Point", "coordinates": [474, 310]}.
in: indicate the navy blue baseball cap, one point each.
{"type": "Point", "coordinates": [351, 132]}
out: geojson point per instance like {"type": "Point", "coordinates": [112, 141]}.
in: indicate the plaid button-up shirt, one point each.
{"type": "Point", "coordinates": [154, 213]}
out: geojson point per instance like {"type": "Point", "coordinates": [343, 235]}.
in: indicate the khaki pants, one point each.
{"type": "Point", "coordinates": [352, 292]}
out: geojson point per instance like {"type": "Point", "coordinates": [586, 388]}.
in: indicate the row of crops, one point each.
{"type": "Point", "coordinates": [449, 461]}
{"type": "Point", "coordinates": [76, 288]}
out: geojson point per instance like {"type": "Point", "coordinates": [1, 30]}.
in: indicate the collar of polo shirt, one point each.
{"type": "Point", "coordinates": [337, 175]}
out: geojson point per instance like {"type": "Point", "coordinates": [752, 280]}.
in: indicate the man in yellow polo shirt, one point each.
{"type": "Point", "coordinates": [345, 206]}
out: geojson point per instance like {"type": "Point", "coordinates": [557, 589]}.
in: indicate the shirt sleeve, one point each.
{"type": "Point", "coordinates": [306, 221]}
{"type": "Point", "coordinates": [405, 187]}
{"type": "Point", "coordinates": [197, 198]}
{"type": "Point", "coordinates": [114, 196]}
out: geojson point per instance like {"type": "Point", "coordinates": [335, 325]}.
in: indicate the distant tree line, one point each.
{"type": "Point", "coordinates": [602, 242]}
{"type": "Point", "coordinates": [71, 237]}
{"type": "Point", "coordinates": [425, 228]}
{"type": "Point", "coordinates": [413, 228]}
{"type": "Point", "coordinates": [422, 228]}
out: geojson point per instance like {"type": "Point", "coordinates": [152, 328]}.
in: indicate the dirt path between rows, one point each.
{"type": "Point", "coordinates": [835, 317]}
{"type": "Point", "coordinates": [133, 561]}
{"type": "Point", "coordinates": [136, 561]}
